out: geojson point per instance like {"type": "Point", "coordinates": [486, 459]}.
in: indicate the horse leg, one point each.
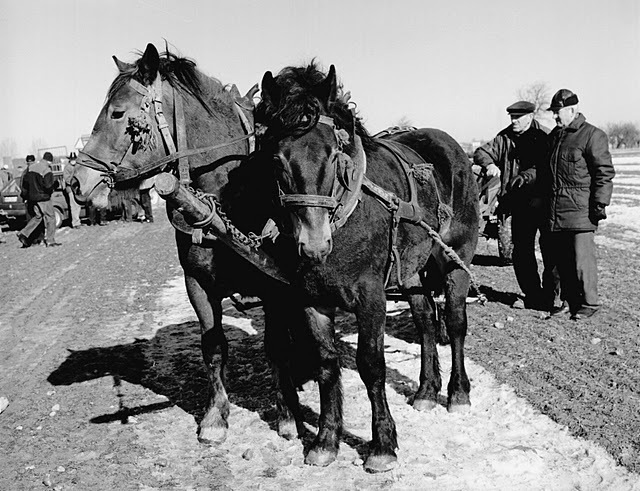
{"type": "Point", "coordinates": [279, 349]}
{"type": "Point", "coordinates": [324, 448]}
{"type": "Point", "coordinates": [215, 351]}
{"type": "Point", "coordinates": [423, 310]}
{"type": "Point", "coordinates": [371, 314]}
{"type": "Point", "coordinates": [456, 289]}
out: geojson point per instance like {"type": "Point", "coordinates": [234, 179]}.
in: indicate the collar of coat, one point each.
{"type": "Point", "coordinates": [577, 122]}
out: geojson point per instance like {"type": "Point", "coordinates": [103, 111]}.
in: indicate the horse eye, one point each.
{"type": "Point", "coordinates": [117, 114]}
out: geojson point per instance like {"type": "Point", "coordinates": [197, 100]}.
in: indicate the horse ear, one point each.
{"type": "Point", "coordinates": [122, 66]}
{"type": "Point", "coordinates": [149, 64]}
{"type": "Point", "coordinates": [327, 90]}
{"type": "Point", "coordinates": [270, 89]}
{"type": "Point", "coordinates": [252, 92]}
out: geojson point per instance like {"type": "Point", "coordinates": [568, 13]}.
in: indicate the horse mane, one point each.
{"type": "Point", "coordinates": [299, 108]}
{"type": "Point", "coordinates": [181, 73]}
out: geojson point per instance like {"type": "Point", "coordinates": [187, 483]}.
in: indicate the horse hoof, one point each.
{"type": "Point", "coordinates": [212, 435]}
{"type": "Point", "coordinates": [380, 463]}
{"type": "Point", "coordinates": [459, 408]}
{"type": "Point", "coordinates": [320, 458]}
{"type": "Point", "coordinates": [287, 429]}
{"type": "Point", "coordinates": [424, 405]}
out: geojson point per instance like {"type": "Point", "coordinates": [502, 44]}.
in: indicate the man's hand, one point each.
{"type": "Point", "coordinates": [492, 170]}
{"type": "Point", "coordinates": [597, 212]}
{"type": "Point", "coordinates": [517, 182]}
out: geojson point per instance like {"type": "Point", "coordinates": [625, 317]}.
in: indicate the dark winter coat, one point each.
{"type": "Point", "coordinates": [577, 175]}
{"type": "Point", "coordinates": [515, 155]}
{"type": "Point", "coordinates": [37, 182]}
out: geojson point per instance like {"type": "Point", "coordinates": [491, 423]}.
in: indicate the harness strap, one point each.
{"type": "Point", "coordinates": [407, 210]}
{"type": "Point", "coordinates": [126, 174]}
{"type": "Point", "coordinates": [181, 135]}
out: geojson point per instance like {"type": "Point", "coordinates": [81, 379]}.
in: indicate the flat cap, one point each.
{"type": "Point", "coordinates": [521, 107]}
{"type": "Point", "coordinates": [563, 98]}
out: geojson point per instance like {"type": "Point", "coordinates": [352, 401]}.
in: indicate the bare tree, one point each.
{"type": "Point", "coordinates": [36, 144]}
{"type": "Point", "coordinates": [623, 135]}
{"type": "Point", "coordinates": [538, 93]}
{"type": "Point", "coordinates": [8, 148]}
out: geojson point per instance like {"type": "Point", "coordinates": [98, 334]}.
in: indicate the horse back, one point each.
{"type": "Point", "coordinates": [453, 176]}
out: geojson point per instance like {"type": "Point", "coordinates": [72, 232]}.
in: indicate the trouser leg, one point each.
{"type": "Point", "coordinates": [74, 207]}
{"type": "Point", "coordinates": [145, 203]}
{"type": "Point", "coordinates": [34, 222]}
{"type": "Point", "coordinates": [49, 214]}
{"type": "Point", "coordinates": [525, 265]}
{"type": "Point", "coordinates": [551, 294]}
{"type": "Point", "coordinates": [586, 268]}
{"type": "Point", "coordinates": [562, 243]}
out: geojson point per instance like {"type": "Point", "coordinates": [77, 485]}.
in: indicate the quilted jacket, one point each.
{"type": "Point", "coordinates": [577, 174]}
{"type": "Point", "coordinates": [515, 155]}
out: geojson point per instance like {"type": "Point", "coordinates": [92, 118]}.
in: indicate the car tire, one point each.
{"type": "Point", "coordinates": [59, 217]}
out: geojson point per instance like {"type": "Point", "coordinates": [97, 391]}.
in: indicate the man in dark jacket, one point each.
{"type": "Point", "coordinates": [577, 183]}
{"type": "Point", "coordinates": [37, 185]}
{"type": "Point", "coordinates": [513, 155]}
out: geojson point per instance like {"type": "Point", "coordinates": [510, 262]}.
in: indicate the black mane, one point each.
{"type": "Point", "coordinates": [299, 108]}
{"type": "Point", "coordinates": [179, 72]}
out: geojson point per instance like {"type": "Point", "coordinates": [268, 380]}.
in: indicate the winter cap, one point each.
{"type": "Point", "coordinates": [563, 98]}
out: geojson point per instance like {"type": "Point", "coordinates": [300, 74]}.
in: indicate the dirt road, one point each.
{"type": "Point", "coordinates": [100, 364]}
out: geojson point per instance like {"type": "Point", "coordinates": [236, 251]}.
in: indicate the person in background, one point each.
{"type": "Point", "coordinates": [67, 176]}
{"type": "Point", "coordinates": [5, 176]}
{"type": "Point", "coordinates": [38, 184]}
{"type": "Point", "coordinates": [513, 155]}
{"type": "Point", "coordinates": [577, 183]}
{"type": "Point", "coordinates": [145, 199]}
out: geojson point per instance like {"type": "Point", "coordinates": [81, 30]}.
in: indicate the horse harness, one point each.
{"type": "Point", "coordinates": [344, 198]}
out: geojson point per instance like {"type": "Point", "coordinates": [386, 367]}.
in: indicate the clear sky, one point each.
{"type": "Point", "coordinates": [453, 65]}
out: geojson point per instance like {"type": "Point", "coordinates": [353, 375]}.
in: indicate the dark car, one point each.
{"type": "Point", "coordinates": [13, 210]}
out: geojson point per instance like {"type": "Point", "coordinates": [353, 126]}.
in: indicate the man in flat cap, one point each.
{"type": "Point", "coordinates": [513, 155]}
{"type": "Point", "coordinates": [576, 181]}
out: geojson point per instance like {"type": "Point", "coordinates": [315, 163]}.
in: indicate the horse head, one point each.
{"type": "Point", "coordinates": [123, 131]}
{"type": "Point", "coordinates": [160, 109]}
{"type": "Point", "coordinates": [310, 130]}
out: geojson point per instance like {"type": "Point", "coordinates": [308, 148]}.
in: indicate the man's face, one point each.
{"type": "Point", "coordinates": [564, 115]}
{"type": "Point", "coordinates": [521, 122]}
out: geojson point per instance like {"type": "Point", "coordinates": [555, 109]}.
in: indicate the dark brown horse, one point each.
{"type": "Point", "coordinates": [132, 139]}
{"type": "Point", "coordinates": [362, 224]}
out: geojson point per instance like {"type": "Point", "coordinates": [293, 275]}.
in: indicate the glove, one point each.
{"type": "Point", "coordinates": [492, 170]}
{"type": "Point", "coordinates": [517, 182]}
{"type": "Point", "coordinates": [597, 212]}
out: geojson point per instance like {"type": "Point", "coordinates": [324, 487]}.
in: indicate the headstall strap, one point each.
{"type": "Point", "coordinates": [183, 162]}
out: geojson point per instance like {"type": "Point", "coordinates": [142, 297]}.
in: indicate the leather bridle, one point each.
{"type": "Point", "coordinates": [118, 172]}
{"type": "Point", "coordinates": [317, 200]}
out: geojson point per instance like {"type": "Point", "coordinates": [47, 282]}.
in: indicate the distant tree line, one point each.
{"type": "Point", "coordinates": [623, 135]}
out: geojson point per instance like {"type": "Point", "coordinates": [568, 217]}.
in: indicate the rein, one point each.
{"type": "Point", "coordinates": [115, 173]}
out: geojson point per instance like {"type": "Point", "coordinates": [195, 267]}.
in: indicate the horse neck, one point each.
{"type": "Point", "coordinates": [206, 128]}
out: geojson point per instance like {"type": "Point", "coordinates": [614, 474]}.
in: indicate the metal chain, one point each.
{"type": "Point", "coordinates": [252, 240]}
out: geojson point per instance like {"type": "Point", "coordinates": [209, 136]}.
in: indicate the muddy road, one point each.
{"type": "Point", "coordinates": [100, 364]}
